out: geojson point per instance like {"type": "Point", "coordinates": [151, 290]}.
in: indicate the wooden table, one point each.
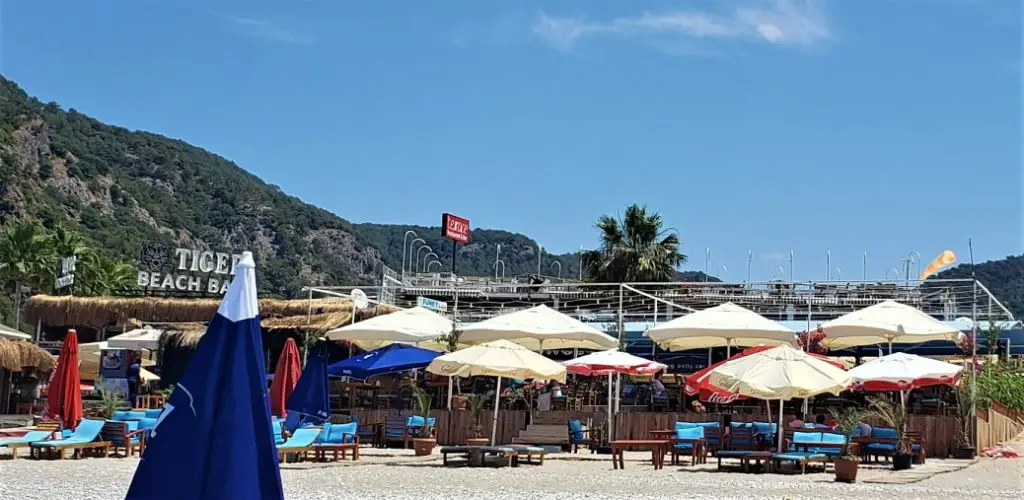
{"type": "Point", "coordinates": [662, 434]}
{"type": "Point", "coordinates": [323, 449]}
{"type": "Point", "coordinates": [658, 449]}
{"type": "Point", "coordinates": [757, 457]}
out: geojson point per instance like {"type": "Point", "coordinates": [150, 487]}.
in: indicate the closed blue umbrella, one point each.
{"type": "Point", "coordinates": [390, 359]}
{"type": "Point", "coordinates": [310, 400]}
{"type": "Point", "coordinates": [215, 432]}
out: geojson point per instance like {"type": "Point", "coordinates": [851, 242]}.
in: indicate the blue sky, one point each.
{"type": "Point", "coordinates": [881, 126]}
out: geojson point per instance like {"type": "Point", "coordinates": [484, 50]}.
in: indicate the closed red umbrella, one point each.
{"type": "Point", "coordinates": [64, 396]}
{"type": "Point", "coordinates": [286, 375]}
{"type": "Point", "coordinates": [699, 383]}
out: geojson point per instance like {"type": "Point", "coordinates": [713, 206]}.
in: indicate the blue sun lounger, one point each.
{"type": "Point", "coordinates": [24, 441]}
{"type": "Point", "coordinates": [302, 442]}
{"type": "Point", "coordinates": [84, 438]}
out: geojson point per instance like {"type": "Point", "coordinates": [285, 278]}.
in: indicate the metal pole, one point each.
{"type": "Point", "coordinates": [426, 257]}
{"type": "Point", "coordinates": [559, 268]}
{"type": "Point", "coordinates": [497, 257]}
{"type": "Point", "coordinates": [791, 265]}
{"type": "Point", "coordinates": [725, 276]}
{"type": "Point", "coordinates": [865, 267]}
{"type": "Point", "coordinates": [404, 238]}
{"type": "Point", "coordinates": [581, 263]}
{"type": "Point", "coordinates": [974, 343]}
{"type": "Point", "coordinates": [750, 259]}
{"type": "Point", "coordinates": [540, 253]}
{"type": "Point", "coordinates": [828, 264]}
{"type": "Point", "coordinates": [707, 263]}
{"type": "Point", "coordinates": [454, 281]}
{"type": "Point", "coordinates": [412, 244]}
{"type": "Point", "coordinates": [654, 345]}
{"type": "Point", "coordinates": [416, 261]}
{"type": "Point", "coordinates": [839, 274]}
{"type": "Point", "coordinates": [621, 325]}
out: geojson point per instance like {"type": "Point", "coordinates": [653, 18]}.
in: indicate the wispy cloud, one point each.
{"type": "Point", "coordinates": [780, 22]}
{"type": "Point", "coordinates": [267, 30]}
{"type": "Point", "coordinates": [771, 256]}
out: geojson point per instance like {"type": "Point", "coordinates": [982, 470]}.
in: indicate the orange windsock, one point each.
{"type": "Point", "coordinates": [944, 259]}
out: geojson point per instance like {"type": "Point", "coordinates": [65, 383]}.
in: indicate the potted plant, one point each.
{"type": "Point", "coordinates": [965, 449]}
{"type": "Point", "coordinates": [847, 463]}
{"type": "Point", "coordinates": [895, 414]}
{"type": "Point", "coordinates": [476, 407]}
{"type": "Point", "coordinates": [111, 400]}
{"type": "Point", "coordinates": [424, 441]}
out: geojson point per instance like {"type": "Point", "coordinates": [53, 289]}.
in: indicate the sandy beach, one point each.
{"type": "Point", "coordinates": [396, 474]}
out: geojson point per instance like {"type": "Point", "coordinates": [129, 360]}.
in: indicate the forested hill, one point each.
{"type": "Point", "coordinates": [1003, 277]}
{"type": "Point", "coordinates": [121, 189]}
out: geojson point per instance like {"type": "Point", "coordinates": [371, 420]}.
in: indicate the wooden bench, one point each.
{"type": "Point", "coordinates": [476, 455]}
{"type": "Point", "coordinates": [322, 450]}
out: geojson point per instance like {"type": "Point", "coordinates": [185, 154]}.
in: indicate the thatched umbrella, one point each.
{"type": "Point", "coordinates": [16, 355]}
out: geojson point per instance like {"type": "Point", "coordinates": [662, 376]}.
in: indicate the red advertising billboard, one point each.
{"type": "Point", "coordinates": [455, 228]}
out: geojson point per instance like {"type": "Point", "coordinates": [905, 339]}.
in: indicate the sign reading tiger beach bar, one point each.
{"type": "Point", "coordinates": [186, 269]}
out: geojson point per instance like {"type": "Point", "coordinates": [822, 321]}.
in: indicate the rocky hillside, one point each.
{"type": "Point", "coordinates": [1003, 277]}
{"type": "Point", "coordinates": [123, 189]}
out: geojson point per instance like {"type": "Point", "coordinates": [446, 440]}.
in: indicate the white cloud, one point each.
{"type": "Point", "coordinates": [267, 30]}
{"type": "Point", "coordinates": [781, 22]}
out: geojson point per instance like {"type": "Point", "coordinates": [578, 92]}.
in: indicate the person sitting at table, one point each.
{"type": "Point", "coordinates": [821, 424]}
{"type": "Point", "coordinates": [798, 420]}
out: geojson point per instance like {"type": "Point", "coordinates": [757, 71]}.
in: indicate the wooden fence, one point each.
{"type": "Point", "coordinates": [997, 425]}
{"type": "Point", "coordinates": [453, 427]}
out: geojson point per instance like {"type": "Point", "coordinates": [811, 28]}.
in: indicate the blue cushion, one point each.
{"type": "Point", "coordinates": [796, 455]}
{"type": "Point", "coordinates": [414, 421]}
{"type": "Point", "coordinates": [883, 432]}
{"type": "Point", "coordinates": [688, 433]}
{"type": "Point", "coordinates": [576, 427]}
{"type": "Point", "coordinates": [806, 437]}
{"type": "Point", "coordinates": [765, 428]}
{"type": "Point", "coordinates": [889, 447]}
{"type": "Point", "coordinates": [133, 425]}
{"type": "Point", "coordinates": [733, 453]}
{"type": "Point", "coordinates": [147, 423]}
{"type": "Point", "coordinates": [154, 413]}
{"type": "Point", "coordinates": [339, 433]}
{"type": "Point", "coordinates": [135, 415]}
{"type": "Point", "coordinates": [278, 435]}
{"type": "Point", "coordinates": [739, 425]}
{"type": "Point", "coordinates": [121, 415]}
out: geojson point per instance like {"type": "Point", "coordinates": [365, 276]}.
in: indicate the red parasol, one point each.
{"type": "Point", "coordinates": [64, 396]}
{"type": "Point", "coordinates": [286, 375]}
{"type": "Point", "coordinates": [700, 383]}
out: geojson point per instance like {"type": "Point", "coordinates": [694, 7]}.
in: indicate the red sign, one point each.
{"type": "Point", "coordinates": [455, 228]}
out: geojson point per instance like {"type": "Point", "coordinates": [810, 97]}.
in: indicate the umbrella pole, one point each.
{"type": "Point", "coordinates": [497, 403]}
{"type": "Point", "coordinates": [449, 393]}
{"type": "Point", "coordinates": [618, 392]}
{"type": "Point", "coordinates": [890, 345]}
{"type": "Point", "coordinates": [609, 437]}
{"type": "Point", "coordinates": [779, 430]}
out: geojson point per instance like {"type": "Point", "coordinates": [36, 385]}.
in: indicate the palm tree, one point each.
{"type": "Point", "coordinates": [26, 259]}
{"type": "Point", "coordinates": [67, 243]}
{"type": "Point", "coordinates": [103, 276]}
{"type": "Point", "coordinates": [634, 249]}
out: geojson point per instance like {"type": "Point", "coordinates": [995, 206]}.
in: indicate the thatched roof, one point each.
{"type": "Point", "coordinates": [18, 354]}
{"type": "Point", "coordinates": [187, 335]}
{"type": "Point", "coordinates": [97, 312]}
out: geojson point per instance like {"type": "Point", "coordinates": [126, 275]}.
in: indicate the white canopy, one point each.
{"type": "Point", "coordinates": [418, 325]}
{"type": "Point", "coordinates": [780, 373]}
{"type": "Point", "coordinates": [885, 322]}
{"type": "Point", "coordinates": [902, 371]}
{"type": "Point", "coordinates": [9, 333]}
{"type": "Point", "coordinates": [720, 326]}
{"type": "Point", "coordinates": [140, 338]}
{"type": "Point", "coordinates": [612, 361]}
{"type": "Point", "coordinates": [499, 358]}
{"type": "Point", "coordinates": [539, 328]}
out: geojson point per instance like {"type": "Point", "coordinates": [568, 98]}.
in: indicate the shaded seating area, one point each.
{"type": "Point", "coordinates": [581, 435]}
{"type": "Point", "coordinates": [882, 443]}
{"type": "Point", "coordinates": [404, 429]}
{"type": "Point", "coordinates": [338, 439]}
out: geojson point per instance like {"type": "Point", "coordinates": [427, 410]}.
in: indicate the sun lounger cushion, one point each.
{"type": "Point", "coordinates": [797, 456]}
{"type": "Point", "coordinates": [764, 428]}
{"type": "Point", "coordinates": [29, 437]}
{"type": "Point", "coordinates": [154, 413]}
{"type": "Point", "coordinates": [889, 447]}
{"type": "Point", "coordinates": [278, 432]}
{"type": "Point", "coordinates": [303, 438]}
{"type": "Point", "coordinates": [130, 415]}
{"type": "Point", "coordinates": [883, 432]}
{"type": "Point", "coordinates": [828, 437]}
{"type": "Point", "coordinates": [418, 421]}
{"type": "Point", "coordinates": [338, 433]}
{"type": "Point", "coordinates": [688, 433]}
{"type": "Point", "coordinates": [576, 427]}
{"type": "Point", "coordinates": [685, 425]}
{"type": "Point", "coordinates": [88, 430]}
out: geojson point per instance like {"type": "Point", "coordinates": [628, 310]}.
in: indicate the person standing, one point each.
{"type": "Point", "coordinates": [134, 378]}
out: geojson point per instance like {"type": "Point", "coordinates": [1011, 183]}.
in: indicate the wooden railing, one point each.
{"type": "Point", "coordinates": [997, 425]}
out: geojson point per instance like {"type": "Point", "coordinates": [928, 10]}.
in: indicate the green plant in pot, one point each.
{"type": "Point", "coordinates": [847, 463]}
{"type": "Point", "coordinates": [964, 448]}
{"type": "Point", "coordinates": [476, 403]}
{"type": "Point", "coordinates": [895, 414]}
{"type": "Point", "coordinates": [425, 439]}
{"type": "Point", "coordinates": [110, 400]}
